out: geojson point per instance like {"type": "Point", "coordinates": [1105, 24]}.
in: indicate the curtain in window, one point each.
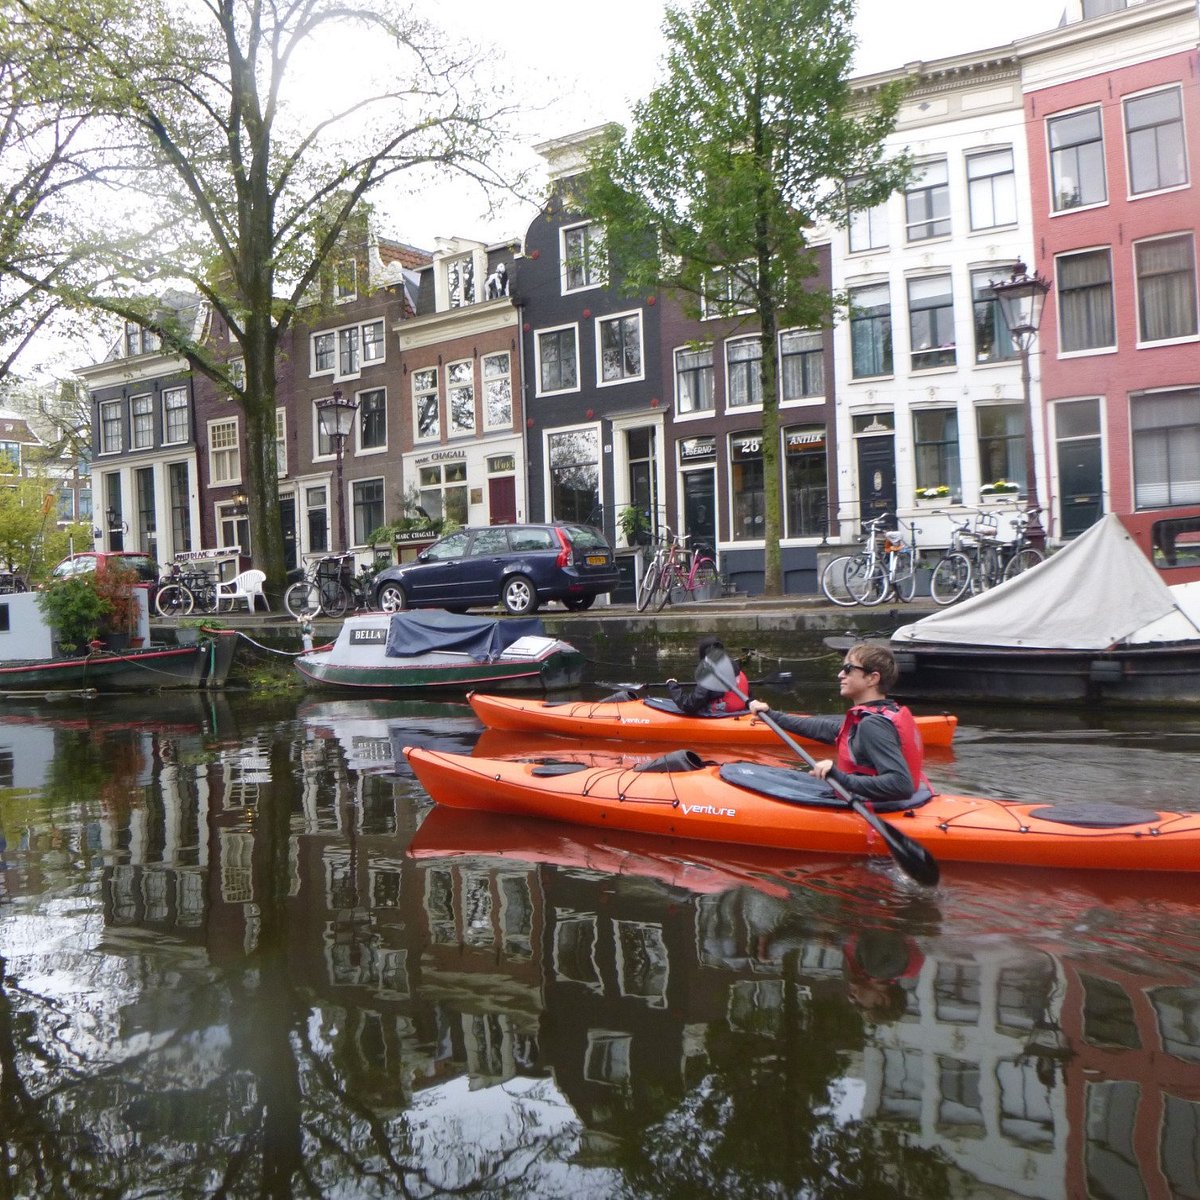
{"type": "Point", "coordinates": [1166, 289]}
{"type": "Point", "coordinates": [1085, 295]}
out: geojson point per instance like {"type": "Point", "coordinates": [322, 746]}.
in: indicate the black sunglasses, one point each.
{"type": "Point", "coordinates": [846, 668]}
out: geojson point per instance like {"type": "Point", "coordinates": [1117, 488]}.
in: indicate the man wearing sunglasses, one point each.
{"type": "Point", "coordinates": [878, 748]}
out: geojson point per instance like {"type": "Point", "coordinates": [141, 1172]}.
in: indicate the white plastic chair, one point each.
{"type": "Point", "coordinates": [247, 586]}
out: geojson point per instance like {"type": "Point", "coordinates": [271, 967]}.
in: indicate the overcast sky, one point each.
{"type": "Point", "coordinates": [584, 74]}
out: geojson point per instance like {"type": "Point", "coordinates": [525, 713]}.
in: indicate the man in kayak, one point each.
{"type": "Point", "coordinates": [879, 755]}
{"type": "Point", "coordinates": [701, 701]}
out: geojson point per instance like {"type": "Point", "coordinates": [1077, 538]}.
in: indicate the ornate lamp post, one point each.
{"type": "Point", "coordinates": [336, 417]}
{"type": "Point", "coordinates": [1022, 298]}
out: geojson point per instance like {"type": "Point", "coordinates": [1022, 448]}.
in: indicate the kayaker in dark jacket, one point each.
{"type": "Point", "coordinates": [879, 755]}
{"type": "Point", "coordinates": [701, 701]}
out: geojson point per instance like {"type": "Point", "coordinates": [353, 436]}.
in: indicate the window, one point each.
{"type": "Point", "coordinates": [728, 291]}
{"type": "Point", "coordinates": [1085, 300]}
{"type": "Point", "coordinates": [141, 423]}
{"type": "Point", "coordinates": [460, 280]}
{"type": "Point", "coordinates": [237, 373]}
{"type": "Point", "coordinates": [993, 341]}
{"type": "Point", "coordinates": [1166, 288]}
{"type": "Point", "coordinates": [372, 419]}
{"type": "Point", "coordinates": [323, 347]}
{"type": "Point", "coordinates": [224, 461]}
{"type": "Point", "coordinates": [574, 458]}
{"type": "Point", "coordinates": [175, 416]}
{"type": "Point", "coordinates": [367, 498]}
{"type": "Point", "coordinates": [426, 423]}
{"type": "Point", "coordinates": [931, 322]}
{"type": "Point", "coordinates": [179, 497]}
{"type": "Point", "coordinates": [806, 482]}
{"type": "Point", "coordinates": [497, 391]}
{"type": "Point", "coordinates": [801, 365]}
{"type": "Point", "coordinates": [281, 442]}
{"type": "Point", "coordinates": [558, 361]}
{"type": "Point", "coordinates": [1001, 442]}
{"type": "Point", "coordinates": [345, 284]}
{"type": "Point", "coordinates": [139, 340]}
{"type": "Point", "coordinates": [1154, 141]}
{"type": "Point", "coordinates": [147, 524]}
{"type": "Point", "coordinates": [694, 380]}
{"type": "Point", "coordinates": [870, 331]}
{"type": "Point", "coordinates": [992, 189]}
{"type": "Point", "coordinates": [372, 342]}
{"type": "Point", "coordinates": [867, 229]}
{"type": "Point", "coordinates": [460, 396]}
{"type": "Point", "coordinates": [316, 505]}
{"type": "Point", "coordinates": [619, 350]}
{"type": "Point", "coordinates": [743, 372]}
{"type": "Point", "coordinates": [935, 438]}
{"type": "Point", "coordinates": [1076, 160]}
{"type": "Point", "coordinates": [746, 483]}
{"type": "Point", "coordinates": [582, 257]}
{"type": "Point", "coordinates": [112, 427]}
{"type": "Point", "coordinates": [1166, 448]}
{"type": "Point", "coordinates": [10, 457]}
{"type": "Point", "coordinates": [348, 351]}
{"type": "Point", "coordinates": [444, 492]}
{"type": "Point", "coordinates": [927, 202]}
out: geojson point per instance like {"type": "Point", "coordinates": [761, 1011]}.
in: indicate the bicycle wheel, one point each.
{"type": "Point", "coordinates": [951, 578]}
{"type": "Point", "coordinates": [301, 599]}
{"type": "Point", "coordinates": [703, 575]}
{"type": "Point", "coordinates": [204, 595]}
{"type": "Point", "coordinates": [670, 578]}
{"type": "Point", "coordinates": [904, 576]}
{"type": "Point", "coordinates": [649, 584]}
{"type": "Point", "coordinates": [1022, 561]}
{"type": "Point", "coordinates": [335, 597]}
{"type": "Point", "coordinates": [874, 585]}
{"type": "Point", "coordinates": [841, 579]}
{"type": "Point", "coordinates": [173, 600]}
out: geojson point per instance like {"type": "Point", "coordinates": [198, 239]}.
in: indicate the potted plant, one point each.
{"type": "Point", "coordinates": [115, 586]}
{"type": "Point", "coordinates": [75, 612]}
{"type": "Point", "coordinates": [1001, 489]}
{"type": "Point", "coordinates": [635, 525]}
{"type": "Point", "coordinates": [933, 495]}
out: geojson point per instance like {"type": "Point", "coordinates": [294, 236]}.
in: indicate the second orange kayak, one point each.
{"type": "Point", "coordinates": [637, 720]}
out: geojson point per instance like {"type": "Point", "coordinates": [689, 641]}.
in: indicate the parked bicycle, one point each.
{"type": "Point", "coordinates": [330, 588]}
{"type": "Point", "coordinates": [978, 560]}
{"type": "Point", "coordinates": [674, 567]}
{"type": "Point", "coordinates": [884, 568]}
{"type": "Point", "coordinates": [183, 590]}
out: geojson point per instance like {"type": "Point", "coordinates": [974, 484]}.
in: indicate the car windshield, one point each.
{"type": "Point", "coordinates": [584, 537]}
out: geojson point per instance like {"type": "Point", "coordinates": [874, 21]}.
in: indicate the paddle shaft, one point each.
{"type": "Point", "coordinates": [779, 679]}
{"type": "Point", "coordinates": [910, 856]}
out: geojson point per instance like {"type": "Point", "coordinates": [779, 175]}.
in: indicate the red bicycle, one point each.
{"type": "Point", "coordinates": [678, 568]}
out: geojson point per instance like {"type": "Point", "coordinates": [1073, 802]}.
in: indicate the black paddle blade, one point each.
{"type": "Point", "coordinates": [719, 674]}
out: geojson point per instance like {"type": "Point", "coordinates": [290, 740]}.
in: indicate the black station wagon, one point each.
{"type": "Point", "coordinates": [517, 566]}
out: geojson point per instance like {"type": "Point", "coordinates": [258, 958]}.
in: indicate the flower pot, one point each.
{"type": "Point", "coordinates": [187, 635]}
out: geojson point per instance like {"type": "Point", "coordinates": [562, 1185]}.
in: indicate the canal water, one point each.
{"type": "Point", "coordinates": [242, 955]}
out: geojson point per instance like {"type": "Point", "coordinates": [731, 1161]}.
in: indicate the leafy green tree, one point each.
{"type": "Point", "coordinates": [31, 541]}
{"type": "Point", "coordinates": [753, 145]}
{"type": "Point", "coordinates": [244, 152]}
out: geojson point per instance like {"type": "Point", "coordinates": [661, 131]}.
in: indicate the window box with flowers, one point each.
{"type": "Point", "coordinates": [933, 497]}
{"type": "Point", "coordinates": [1001, 492]}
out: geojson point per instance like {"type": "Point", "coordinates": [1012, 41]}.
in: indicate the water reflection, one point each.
{"type": "Point", "coordinates": [242, 956]}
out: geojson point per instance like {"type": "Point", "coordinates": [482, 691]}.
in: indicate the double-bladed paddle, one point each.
{"type": "Point", "coordinates": [781, 679]}
{"type": "Point", "coordinates": [719, 674]}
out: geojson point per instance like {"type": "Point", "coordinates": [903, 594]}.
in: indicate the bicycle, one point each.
{"type": "Point", "coordinates": [953, 572]}
{"type": "Point", "coordinates": [851, 579]}
{"type": "Point", "coordinates": [689, 572]}
{"type": "Point", "coordinates": [181, 591]}
{"type": "Point", "coordinates": [894, 575]}
{"type": "Point", "coordinates": [329, 588]}
{"type": "Point", "coordinates": [652, 576]}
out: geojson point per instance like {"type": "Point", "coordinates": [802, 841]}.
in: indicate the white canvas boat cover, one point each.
{"type": "Point", "coordinates": [1097, 592]}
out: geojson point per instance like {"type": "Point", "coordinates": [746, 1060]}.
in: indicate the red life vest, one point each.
{"type": "Point", "coordinates": [905, 726]}
{"type": "Point", "coordinates": [731, 702]}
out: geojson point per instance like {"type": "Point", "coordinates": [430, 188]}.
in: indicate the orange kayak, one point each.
{"type": "Point", "coordinates": [642, 721]}
{"type": "Point", "coordinates": [752, 804]}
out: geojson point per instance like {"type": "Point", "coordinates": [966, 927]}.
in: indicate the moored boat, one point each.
{"type": "Point", "coordinates": [751, 804]}
{"type": "Point", "coordinates": [653, 720]}
{"type": "Point", "coordinates": [390, 652]}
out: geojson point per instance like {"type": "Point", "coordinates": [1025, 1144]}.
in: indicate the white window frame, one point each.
{"type": "Point", "coordinates": [345, 280]}
{"type": "Point", "coordinates": [319, 336]}
{"type": "Point", "coordinates": [717, 297]}
{"type": "Point", "coordinates": [504, 376]}
{"type": "Point", "coordinates": [1179, 236]}
{"type": "Point", "coordinates": [358, 438]}
{"type": "Point", "coordinates": [993, 180]}
{"type": "Point", "coordinates": [609, 319]}
{"type": "Point", "coordinates": [231, 451]}
{"type": "Point", "coordinates": [798, 401]}
{"type": "Point", "coordinates": [452, 429]}
{"type": "Point", "coordinates": [593, 256]}
{"type": "Point", "coordinates": [339, 335]}
{"type": "Point", "coordinates": [168, 394]}
{"type": "Point", "coordinates": [693, 414]}
{"type": "Point", "coordinates": [281, 441]}
{"type": "Point", "coordinates": [1187, 173]}
{"type": "Point", "coordinates": [537, 351]}
{"type": "Point", "coordinates": [355, 485]}
{"type": "Point", "coordinates": [146, 400]}
{"type": "Point", "coordinates": [1055, 207]}
{"type": "Point", "coordinates": [417, 396]}
{"type": "Point", "coordinates": [756, 380]}
{"type": "Point", "coordinates": [380, 341]}
{"type": "Point", "coordinates": [111, 408]}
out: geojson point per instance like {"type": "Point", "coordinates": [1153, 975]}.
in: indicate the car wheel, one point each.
{"type": "Point", "coordinates": [518, 595]}
{"type": "Point", "coordinates": [578, 603]}
{"type": "Point", "coordinates": [391, 598]}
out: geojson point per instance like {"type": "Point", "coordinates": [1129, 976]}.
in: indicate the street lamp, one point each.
{"type": "Point", "coordinates": [1022, 298]}
{"type": "Point", "coordinates": [336, 417]}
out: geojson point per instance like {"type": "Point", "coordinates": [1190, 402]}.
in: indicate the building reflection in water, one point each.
{"type": "Point", "coordinates": [505, 992]}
